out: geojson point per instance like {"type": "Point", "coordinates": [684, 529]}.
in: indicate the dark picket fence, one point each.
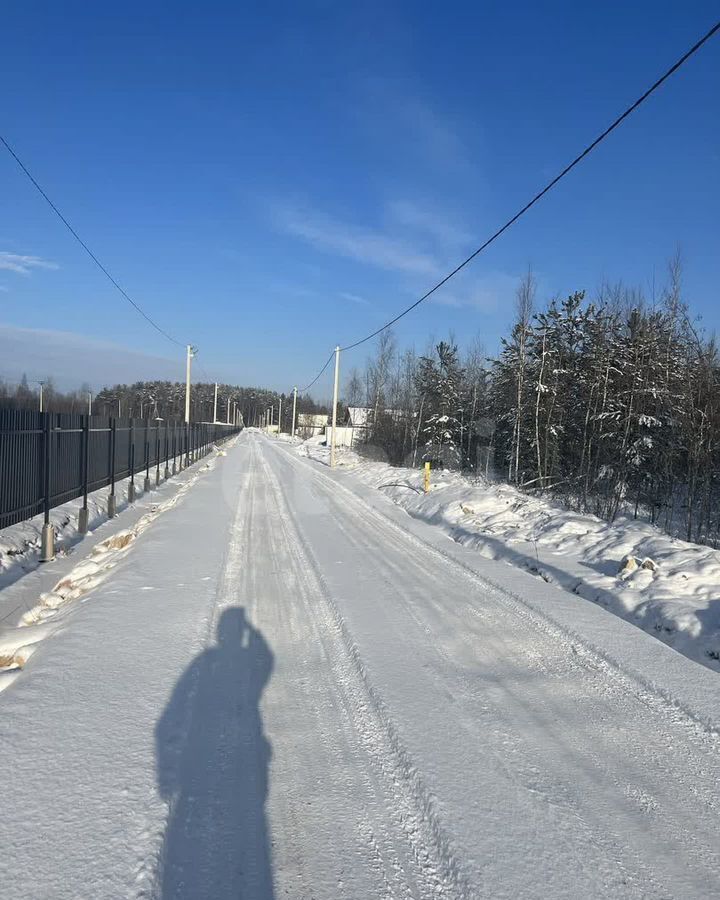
{"type": "Point", "coordinates": [49, 458]}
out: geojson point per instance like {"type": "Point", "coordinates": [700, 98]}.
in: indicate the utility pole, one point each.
{"type": "Point", "coordinates": [191, 351]}
{"type": "Point", "coordinates": [292, 433]}
{"type": "Point", "coordinates": [334, 409]}
{"type": "Point", "coordinates": [89, 403]}
{"type": "Point", "coordinates": [215, 405]}
{"type": "Point", "coordinates": [41, 383]}
{"type": "Point", "coordinates": [280, 418]}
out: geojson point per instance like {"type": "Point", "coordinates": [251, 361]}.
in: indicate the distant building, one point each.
{"type": "Point", "coordinates": [358, 416]}
{"type": "Point", "coordinates": [310, 424]}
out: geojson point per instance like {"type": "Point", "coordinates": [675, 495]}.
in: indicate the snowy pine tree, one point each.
{"type": "Point", "coordinates": [439, 382]}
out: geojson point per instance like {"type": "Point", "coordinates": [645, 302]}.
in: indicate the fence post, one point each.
{"type": "Point", "coordinates": [157, 453]}
{"type": "Point", "coordinates": [146, 485]}
{"type": "Point", "coordinates": [167, 451]}
{"type": "Point", "coordinates": [111, 510]}
{"type": "Point", "coordinates": [131, 459]}
{"type": "Point", "coordinates": [179, 446]}
{"type": "Point", "coordinates": [47, 544]}
{"type": "Point", "coordinates": [83, 515]}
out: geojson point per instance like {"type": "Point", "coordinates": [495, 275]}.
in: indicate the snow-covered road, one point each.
{"type": "Point", "coordinates": [288, 688]}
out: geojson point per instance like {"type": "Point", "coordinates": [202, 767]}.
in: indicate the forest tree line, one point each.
{"type": "Point", "coordinates": [157, 400]}
{"type": "Point", "coordinates": [611, 404]}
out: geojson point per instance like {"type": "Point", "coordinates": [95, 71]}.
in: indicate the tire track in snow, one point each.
{"type": "Point", "coordinates": [439, 871]}
{"type": "Point", "coordinates": [647, 692]}
{"type": "Point", "coordinates": [151, 862]}
{"type": "Point", "coordinates": [306, 683]}
{"type": "Point", "coordinates": [650, 754]}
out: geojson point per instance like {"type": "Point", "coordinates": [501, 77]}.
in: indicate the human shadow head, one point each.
{"type": "Point", "coordinates": [231, 625]}
{"type": "Point", "coordinates": [213, 768]}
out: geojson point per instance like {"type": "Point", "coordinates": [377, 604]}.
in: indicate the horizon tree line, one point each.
{"type": "Point", "coordinates": [609, 404]}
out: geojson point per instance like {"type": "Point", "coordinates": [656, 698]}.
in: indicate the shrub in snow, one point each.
{"type": "Point", "coordinates": [628, 566]}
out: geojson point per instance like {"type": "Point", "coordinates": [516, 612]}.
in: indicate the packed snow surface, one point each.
{"type": "Point", "coordinates": [283, 686]}
{"type": "Point", "coordinates": [674, 596]}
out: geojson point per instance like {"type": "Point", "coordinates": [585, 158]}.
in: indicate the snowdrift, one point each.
{"type": "Point", "coordinates": [672, 591]}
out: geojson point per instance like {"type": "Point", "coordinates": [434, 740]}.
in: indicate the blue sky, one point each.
{"type": "Point", "coordinates": [268, 181]}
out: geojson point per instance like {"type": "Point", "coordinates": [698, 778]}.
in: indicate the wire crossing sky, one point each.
{"type": "Point", "coordinates": [590, 147]}
{"type": "Point", "coordinates": [85, 247]}
{"type": "Point", "coordinates": [258, 207]}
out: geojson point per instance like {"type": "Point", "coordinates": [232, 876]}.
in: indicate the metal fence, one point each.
{"type": "Point", "coordinates": [49, 458]}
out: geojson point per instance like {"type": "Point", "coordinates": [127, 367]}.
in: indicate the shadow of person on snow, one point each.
{"type": "Point", "coordinates": [212, 767]}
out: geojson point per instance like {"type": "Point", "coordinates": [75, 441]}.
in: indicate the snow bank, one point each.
{"type": "Point", "coordinates": [17, 643]}
{"type": "Point", "coordinates": [672, 591]}
{"type": "Point", "coordinates": [20, 543]}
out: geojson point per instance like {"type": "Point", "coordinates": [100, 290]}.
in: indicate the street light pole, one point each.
{"type": "Point", "coordinates": [191, 351]}
{"type": "Point", "coordinates": [334, 409]}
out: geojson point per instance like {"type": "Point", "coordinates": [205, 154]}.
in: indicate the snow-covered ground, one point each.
{"type": "Point", "coordinates": [20, 543]}
{"type": "Point", "coordinates": [675, 596]}
{"type": "Point", "coordinates": [284, 686]}
{"type": "Point", "coordinates": [33, 596]}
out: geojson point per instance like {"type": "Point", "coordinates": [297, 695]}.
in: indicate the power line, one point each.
{"type": "Point", "coordinates": [548, 187]}
{"type": "Point", "coordinates": [85, 246]}
{"type": "Point", "coordinates": [329, 359]}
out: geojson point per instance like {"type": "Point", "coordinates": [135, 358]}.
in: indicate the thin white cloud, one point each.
{"type": "Point", "coordinates": [437, 225]}
{"type": "Point", "coordinates": [440, 140]}
{"type": "Point", "coordinates": [407, 126]}
{"type": "Point", "coordinates": [23, 264]}
{"type": "Point", "coordinates": [354, 242]}
{"type": "Point", "coordinates": [354, 298]}
{"type": "Point", "coordinates": [72, 358]}
{"type": "Point", "coordinates": [487, 293]}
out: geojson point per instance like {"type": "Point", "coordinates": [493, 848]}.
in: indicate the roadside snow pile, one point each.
{"type": "Point", "coordinates": [666, 586]}
{"type": "Point", "coordinates": [18, 642]}
{"type": "Point", "coordinates": [20, 544]}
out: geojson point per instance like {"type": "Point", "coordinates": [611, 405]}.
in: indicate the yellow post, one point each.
{"type": "Point", "coordinates": [427, 478]}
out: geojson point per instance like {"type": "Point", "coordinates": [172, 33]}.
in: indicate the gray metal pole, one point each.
{"type": "Point", "coordinates": [83, 516]}
{"type": "Point", "coordinates": [47, 541]}
{"type": "Point", "coordinates": [111, 499]}
{"type": "Point", "coordinates": [146, 483]}
{"type": "Point", "coordinates": [157, 453]}
{"type": "Point", "coordinates": [131, 453]}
